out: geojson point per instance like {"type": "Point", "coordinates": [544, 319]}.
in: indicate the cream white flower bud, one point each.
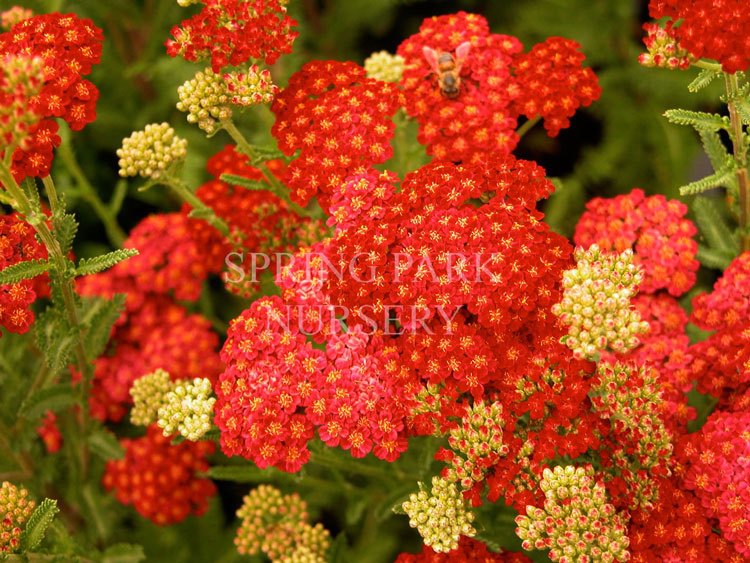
{"type": "Point", "coordinates": [188, 409]}
{"type": "Point", "coordinates": [384, 66]}
{"type": "Point", "coordinates": [149, 153]}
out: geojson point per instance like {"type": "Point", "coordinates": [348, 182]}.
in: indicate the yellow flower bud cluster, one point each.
{"type": "Point", "coordinates": [596, 303]}
{"type": "Point", "coordinates": [278, 525]}
{"type": "Point", "coordinates": [576, 523]}
{"type": "Point", "coordinates": [384, 66]}
{"type": "Point", "coordinates": [250, 87]}
{"type": "Point", "coordinates": [149, 153]}
{"type": "Point", "coordinates": [188, 409]}
{"type": "Point", "coordinates": [148, 393]}
{"type": "Point", "coordinates": [15, 508]}
{"type": "Point", "coordinates": [206, 100]}
{"type": "Point", "coordinates": [441, 516]}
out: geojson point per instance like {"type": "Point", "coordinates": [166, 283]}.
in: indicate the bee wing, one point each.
{"type": "Point", "coordinates": [462, 51]}
{"type": "Point", "coordinates": [431, 57]}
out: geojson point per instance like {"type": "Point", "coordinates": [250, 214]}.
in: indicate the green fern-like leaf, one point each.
{"type": "Point", "coordinates": [55, 398]}
{"type": "Point", "coordinates": [54, 337]}
{"type": "Point", "coordinates": [104, 444]}
{"type": "Point", "coordinates": [23, 271]}
{"type": "Point", "coordinates": [38, 523]}
{"type": "Point", "coordinates": [698, 119]}
{"type": "Point", "coordinates": [743, 108]}
{"type": "Point", "coordinates": [713, 227]}
{"type": "Point", "coordinates": [704, 78]}
{"type": "Point", "coordinates": [714, 258]}
{"type": "Point", "coordinates": [714, 148]}
{"type": "Point", "coordinates": [104, 262]}
{"type": "Point", "coordinates": [66, 228]}
{"type": "Point", "coordinates": [99, 316]}
{"type": "Point", "coordinates": [246, 183]}
{"type": "Point", "coordinates": [721, 178]}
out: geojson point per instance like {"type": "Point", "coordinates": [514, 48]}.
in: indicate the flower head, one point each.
{"type": "Point", "coordinates": [160, 479]}
{"type": "Point", "coordinates": [187, 409]}
{"type": "Point", "coordinates": [440, 515]}
{"type": "Point", "coordinates": [384, 66]}
{"type": "Point", "coordinates": [12, 16]}
{"type": "Point", "coordinates": [15, 508]}
{"type": "Point", "coordinates": [663, 50]}
{"type": "Point", "coordinates": [149, 393]}
{"type": "Point", "coordinates": [596, 304]}
{"type": "Point", "coordinates": [576, 523]}
{"type": "Point", "coordinates": [151, 152]}
{"type": "Point", "coordinates": [205, 99]}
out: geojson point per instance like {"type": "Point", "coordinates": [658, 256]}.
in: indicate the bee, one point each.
{"type": "Point", "coordinates": [447, 68]}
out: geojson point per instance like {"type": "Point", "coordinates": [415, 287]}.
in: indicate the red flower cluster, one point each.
{"type": "Point", "coordinates": [18, 243]}
{"type": "Point", "coordinates": [715, 29]}
{"type": "Point", "coordinates": [468, 551]}
{"type": "Point", "coordinates": [276, 389]}
{"type": "Point", "coordinates": [231, 32]}
{"type": "Point", "coordinates": [68, 46]}
{"type": "Point", "coordinates": [479, 121]}
{"type": "Point", "coordinates": [497, 83]}
{"type": "Point", "coordinates": [339, 120]}
{"type": "Point", "coordinates": [728, 305]}
{"type": "Point", "coordinates": [159, 479]}
{"type": "Point", "coordinates": [50, 433]}
{"type": "Point", "coordinates": [716, 467]}
{"type": "Point", "coordinates": [655, 229]}
{"type": "Point", "coordinates": [556, 83]}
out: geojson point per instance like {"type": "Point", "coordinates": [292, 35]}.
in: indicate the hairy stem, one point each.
{"type": "Point", "coordinates": [740, 156]}
{"type": "Point", "coordinates": [276, 186]}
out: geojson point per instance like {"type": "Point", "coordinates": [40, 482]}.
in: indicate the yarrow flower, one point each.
{"type": "Point", "coordinates": [20, 82]}
{"type": "Point", "coordinates": [554, 83]}
{"type": "Point", "coordinates": [384, 66]}
{"type": "Point", "coordinates": [714, 29]}
{"type": "Point", "coordinates": [206, 100]}
{"type": "Point", "coordinates": [440, 515]}
{"type": "Point", "coordinates": [340, 120]}
{"type": "Point", "coordinates": [68, 46]}
{"type": "Point", "coordinates": [576, 523]}
{"type": "Point", "coordinates": [149, 392]}
{"type": "Point", "coordinates": [469, 550]}
{"type": "Point", "coordinates": [159, 479]}
{"type": "Point", "coordinates": [596, 305]}
{"type": "Point", "coordinates": [278, 526]}
{"type": "Point", "coordinates": [187, 409]}
{"type": "Point", "coordinates": [18, 243]}
{"type": "Point", "coordinates": [728, 305]}
{"type": "Point", "coordinates": [151, 152]}
{"type": "Point", "coordinates": [641, 446]}
{"type": "Point", "coordinates": [250, 87]}
{"type": "Point", "coordinates": [15, 508]}
{"type": "Point", "coordinates": [231, 32]}
{"type": "Point", "coordinates": [663, 50]}
{"type": "Point", "coordinates": [654, 227]}
{"type": "Point", "coordinates": [14, 15]}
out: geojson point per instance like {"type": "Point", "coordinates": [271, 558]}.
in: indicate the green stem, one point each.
{"type": "Point", "coordinates": [707, 65]}
{"type": "Point", "coordinates": [189, 197]}
{"type": "Point", "coordinates": [115, 234]}
{"type": "Point", "coordinates": [276, 186]}
{"type": "Point", "coordinates": [740, 156]}
{"type": "Point", "coordinates": [526, 127]}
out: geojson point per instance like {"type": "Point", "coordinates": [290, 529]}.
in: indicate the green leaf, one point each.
{"type": "Point", "coordinates": [37, 525]}
{"type": "Point", "coordinates": [743, 108]}
{"type": "Point", "coordinates": [713, 227]}
{"type": "Point", "coordinates": [715, 149]}
{"type": "Point", "coordinates": [714, 258]}
{"type": "Point", "coordinates": [704, 78]}
{"type": "Point", "coordinates": [54, 398]}
{"type": "Point", "coordinates": [339, 550]}
{"type": "Point", "coordinates": [392, 502]}
{"type": "Point", "coordinates": [698, 119]}
{"type": "Point", "coordinates": [55, 338]}
{"type": "Point", "coordinates": [23, 271]}
{"type": "Point", "coordinates": [104, 444]}
{"type": "Point", "coordinates": [124, 553]}
{"type": "Point", "coordinates": [66, 228]}
{"type": "Point", "coordinates": [98, 321]}
{"type": "Point", "coordinates": [720, 179]}
{"type": "Point", "coordinates": [31, 189]}
{"type": "Point", "coordinates": [103, 262]}
{"type": "Point", "coordinates": [247, 183]}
